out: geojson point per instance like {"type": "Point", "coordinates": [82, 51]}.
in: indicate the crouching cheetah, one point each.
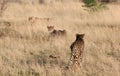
{"type": "Point", "coordinates": [56, 33]}
{"type": "Point", "coordinates": [37, 19]}
{"type": "Point", "coordinates": [77, 48]}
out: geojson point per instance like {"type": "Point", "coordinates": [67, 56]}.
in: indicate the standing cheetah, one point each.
{"type": "Point", "coordinates": [77, 48]}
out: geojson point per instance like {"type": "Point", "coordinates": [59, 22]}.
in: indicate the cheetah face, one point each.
{"type": "Point", "coordinates": [50, 28]}
{"type": "Point", "coordinates": [80, 36]}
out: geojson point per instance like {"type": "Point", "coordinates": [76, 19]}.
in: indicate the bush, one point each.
{"type": "Point", "coordinates": [89, 3]}
{"type": "Point", "coordinates": [93, 5]}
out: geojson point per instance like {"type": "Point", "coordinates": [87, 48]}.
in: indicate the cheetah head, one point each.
{"type": "Point", "coordinates": [78, 36]}
{"type": "Point", "coordinates": [50, 28]}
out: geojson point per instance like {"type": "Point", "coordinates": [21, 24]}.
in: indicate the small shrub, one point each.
{"type": "Point", "coordinates": [93, 6]}
{"type": "Point", "coordinates": [98, 7]}
{"type": "Point", "coordinates": [89, 3]}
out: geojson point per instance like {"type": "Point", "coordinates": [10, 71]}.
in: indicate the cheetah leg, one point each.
{"type": "Point", "coordinates": [80, 62]}
{"type": "Point", "coordinates": [70, 61]}
{"type": "Point", "coordinates": [74, 65]}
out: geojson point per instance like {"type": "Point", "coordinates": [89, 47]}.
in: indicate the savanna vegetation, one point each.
{"type": "Point", "coordinates": [27, 48]}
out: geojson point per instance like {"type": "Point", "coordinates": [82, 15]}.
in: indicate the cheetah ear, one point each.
{"type": "Point", "coordinates": [82, 35]}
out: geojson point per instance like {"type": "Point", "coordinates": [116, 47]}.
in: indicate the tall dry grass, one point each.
{"type": "Point", "coordinates": [29, 55]}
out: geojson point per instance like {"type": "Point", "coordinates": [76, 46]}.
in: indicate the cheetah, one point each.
{"type": "Point", "coordinates": [56, 33]}
{"type": "Point", "coordinates": [32, 19]}
{"type": "Point", "coordinates": [62, 32]}
{"type": "Point", "coordinates": [35, 19]}
{"type": "Point", "coordinates": [77, 48]}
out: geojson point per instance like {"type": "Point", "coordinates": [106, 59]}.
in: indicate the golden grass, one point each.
{"type": "Point", "coordinates": [29, 55]}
